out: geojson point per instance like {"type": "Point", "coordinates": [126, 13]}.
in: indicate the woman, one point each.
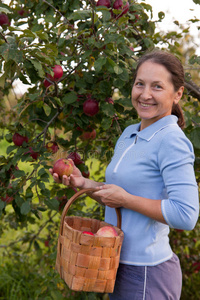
{"type": "Point", "coordinates": [151, 178]}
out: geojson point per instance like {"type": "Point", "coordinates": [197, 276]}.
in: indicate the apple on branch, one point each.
{"type": "Point", "coordinates": [63, 166]}
{"type": "Point", "coordinates": [18, 139]}
{"type": "Point", "coordinates": [52, 146]}
{"type": "Point", "coordinates": [7, 198]}
{"type": "Point", "coordinates": [90, 107]}
{"type": "Point", "coordinates": [4, 20]}
{"type": "Point", "coordinates": [58, 73]}
{"type": "Point", "coordinates": [104, 3]}
{"type": "Point", "coordinates": [107, 231]}
{"type": "Point", "coordinates": [88, 135]}
{"type": "Point", "coordinates": [75, 157]}
{"type": "Point", "coordinates": [32, 153]}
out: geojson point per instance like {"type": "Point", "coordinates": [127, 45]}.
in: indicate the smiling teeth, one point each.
{"type": "Point", "coordinates": [145, 105]}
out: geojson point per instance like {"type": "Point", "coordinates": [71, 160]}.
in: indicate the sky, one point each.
{"type": "Point", "coordinates": [180, 10]}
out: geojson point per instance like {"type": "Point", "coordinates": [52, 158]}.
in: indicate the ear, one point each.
{"type": "Point", "coordinates": [178, 95]}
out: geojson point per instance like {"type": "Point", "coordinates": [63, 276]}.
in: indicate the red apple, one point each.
{"type": "Point", "coordinates": [58, 72]}
{"type": "Point", "coordinates": [88, 232]}
{"type": "Point", "coordinates": [103, 3]}
{"type": "Point", "coordinates": [118, 4]}
{"type": "Point", "coordinates": [46, 82]}
{"type": "Point", "coordinates": [63, 166]}
{"type": "Point", "coordinates": [84, 170]}
{"type": "Point", "coordinates": [125, 8]}
{"type": "Point", "coordinates": [109, 100]}
{"type": "Point", "coordinates": [136, 17]}
{"type": "Point", "coordinates": [88, 135]}
{"type": "Point", "coordinates": [32, 153]}
{"type": "Point", "coordinates": [46, 243]}
{"type": "Point", "coordinates": [10, 171]}
{"type": "Point", "coordinates": [75, 157]}
{"type": "Point", "coordinates": [21, 12]}
{"type": "Point", "coordinates": [107, 231]}
{"type": "Point", "coordinates": [91, 107]}
{"type": "Point", "coordinates": [196, 267]}
{"type": "Point", "coordinates": [8, 198]}
{"type": "Point", "coordinates": [4, 20]}
{"type": "Point", "coordinates": [18, 139]}
{"type": "Point", "coordinates": [52, 147]}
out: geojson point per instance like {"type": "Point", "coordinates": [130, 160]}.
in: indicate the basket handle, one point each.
{"type": "Point", "coordinates": [74, 197]}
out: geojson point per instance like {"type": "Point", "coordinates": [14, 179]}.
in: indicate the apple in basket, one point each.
{"type": "Point", "coordinates": [107, 231]}
{"type": "Point", "coordinates": [88, 232]}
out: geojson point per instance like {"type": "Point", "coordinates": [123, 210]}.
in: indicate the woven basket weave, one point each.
{"type": "Point", "coordinates": [86, 262]}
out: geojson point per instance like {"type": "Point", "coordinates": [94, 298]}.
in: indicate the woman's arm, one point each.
{"type": "Point", "coordinates": [77, 180]}
{"type": "Point", "coordinates": [115, 196]}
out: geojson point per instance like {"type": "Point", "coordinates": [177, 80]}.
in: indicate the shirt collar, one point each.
{"type": "Point", "coordinates": [149, 132]}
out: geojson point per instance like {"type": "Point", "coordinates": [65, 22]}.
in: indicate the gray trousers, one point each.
{"type": "Point", "coordinates": [161, 282]}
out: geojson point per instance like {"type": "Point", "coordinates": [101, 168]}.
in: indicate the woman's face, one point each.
{"type": "Point", "coordinates": [153, 93]}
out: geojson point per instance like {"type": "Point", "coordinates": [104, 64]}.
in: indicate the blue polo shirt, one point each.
{"type": "Point", "coordinates": [155, 163]}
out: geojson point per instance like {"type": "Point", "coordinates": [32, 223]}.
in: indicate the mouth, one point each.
{"type": "Point", "coordinates": [146, 104]}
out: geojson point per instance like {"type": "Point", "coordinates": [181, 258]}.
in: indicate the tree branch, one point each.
{"type": "Point", "coordinates": [48, 124]}
{"type": "Point", "coordinates": [56, 10]}
{"type": "Point", "coordinates": [193, 89]}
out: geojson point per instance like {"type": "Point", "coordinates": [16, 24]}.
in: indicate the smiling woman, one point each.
{"type": "Point", "coordinates": [151, 179]}
{"type": "Point", "coordinates": [157, 88]}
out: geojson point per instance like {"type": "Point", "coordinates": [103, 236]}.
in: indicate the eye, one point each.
{"type": "Point", "coordinates": [158, 86]}
{"type": "Point", "coordinates": [139, 83]}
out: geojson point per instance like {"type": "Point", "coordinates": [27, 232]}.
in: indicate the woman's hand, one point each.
{"type": "Point", "coordinates": [75, 180]}
{"type": "Point", "coordinates": [111, 195]}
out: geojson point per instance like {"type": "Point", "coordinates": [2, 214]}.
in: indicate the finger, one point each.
{"type": "Point", "coordinates": [56, 178]}
{"type": "Point", "coordinates": [51, 171]}
{"type": "Point", "coordinates": [65, 180]}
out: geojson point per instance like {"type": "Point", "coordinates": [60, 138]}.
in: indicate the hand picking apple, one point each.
{"type": "Point", "coordinates": [75, 179]}
{"type": "Point", "coordinates": [62, 167]}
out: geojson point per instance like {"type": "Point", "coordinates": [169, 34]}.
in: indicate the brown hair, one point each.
{"type": "Point", "coordinates": [174, 66]}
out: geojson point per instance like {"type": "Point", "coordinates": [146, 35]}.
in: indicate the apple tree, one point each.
{"type": "Point", "coordinates": [78, 60]}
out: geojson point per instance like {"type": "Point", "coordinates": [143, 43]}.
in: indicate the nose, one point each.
{"type": "Point", "coordinates": [146, 93]}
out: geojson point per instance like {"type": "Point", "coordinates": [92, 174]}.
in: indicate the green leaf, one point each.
{"type": "Point", "coordinates": [2, 80]}
{"type": "Point", "coordinates": [52, 203]}
{"type": "Point", "coordinates": [9, 51]}
{"type": "Point", "coordinates": [5, 10]}
{"type": "Point", "coordinates": [118, 70]}
{"type": "Point", "coordinates": [19, 173]}
{"type": "Point", "coordinates": [106, 15]}
{"type": "Point", "coordinates": [42, 35]}
{"type": "Point", "coordinates": [23, 79]}
{"type": "Point", "coordinates": [71, 97]}
{"type": "Point", "coordinates": [99, 63]}
{"type": "Point", "coordinates": [80, 15]}
{"type": "Point", "coordinates": [106, 123]}
{"type": "Point", "coordinates": [25, 208]}
{"type": "Point", "coordinates": [10, 149]}
{"type": "Point", "coordinates": [38, 67]}
{"type": "Point", "coordinates": [195, 137]}
{"type": "Point", "coordinates": [108, 109]}
{"type": "Point", "coordinates": [2, 204]}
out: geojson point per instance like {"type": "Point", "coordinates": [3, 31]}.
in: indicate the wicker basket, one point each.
{"type": "Point", "coordinates": [86, 262]}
